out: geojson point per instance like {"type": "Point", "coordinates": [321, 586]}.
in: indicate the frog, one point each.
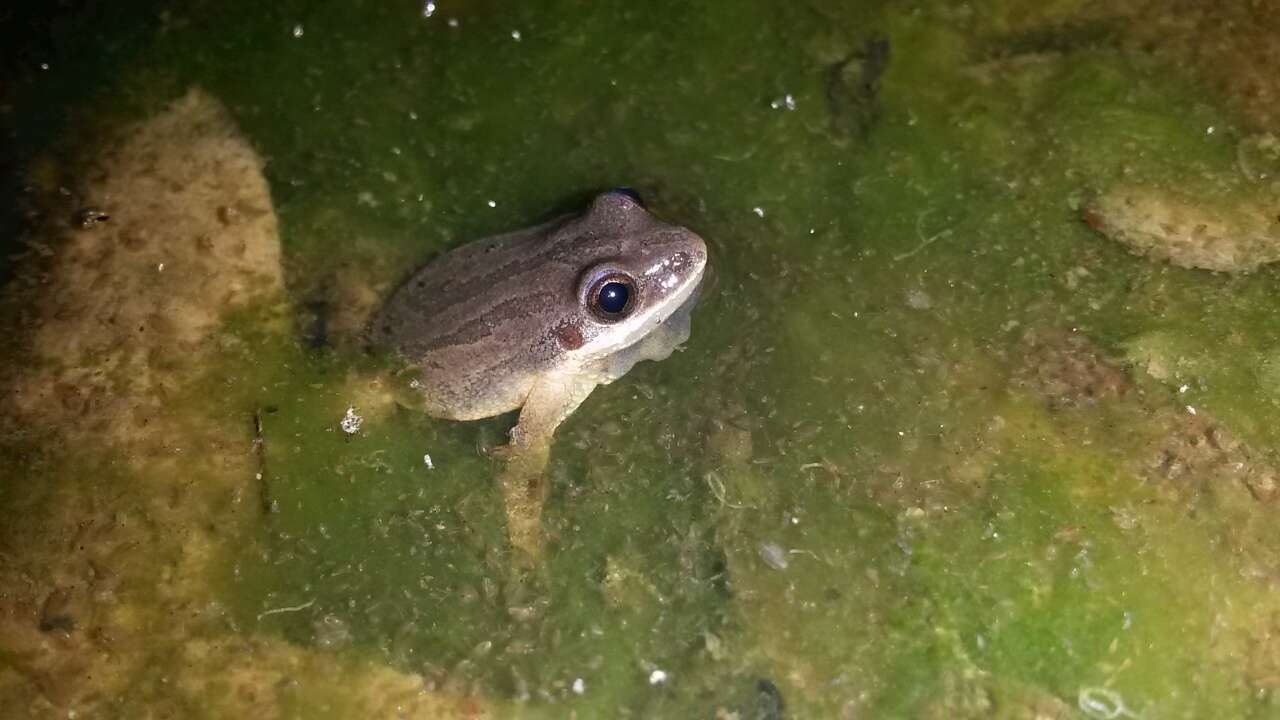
{"type": "Point", "coordinates": [538, 318]}
{"type": "Point", "coordinates": [535, 320]}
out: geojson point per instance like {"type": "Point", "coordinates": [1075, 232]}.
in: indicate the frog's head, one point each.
{"type": "Point", "coordinates": [636, 272]}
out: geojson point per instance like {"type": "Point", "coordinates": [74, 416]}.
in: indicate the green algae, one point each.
{"type": "Point", "coordinates": [950, 547]}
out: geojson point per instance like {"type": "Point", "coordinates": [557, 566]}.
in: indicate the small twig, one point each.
{"type": "Point", "coordinates": [260, 452]}
{"type": "Point", "coordinates": [293, 608]}
{"type": "Point", "coordinates": [717, 489]}
{"type": "Point", "coordinates": [924, 241]}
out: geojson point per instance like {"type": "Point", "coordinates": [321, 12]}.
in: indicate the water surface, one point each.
{"type": "Point", "coordinates": [937, 446]}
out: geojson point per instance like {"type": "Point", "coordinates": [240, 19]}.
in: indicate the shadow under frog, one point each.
{"type": "Point", "coordinates": [535, 320]}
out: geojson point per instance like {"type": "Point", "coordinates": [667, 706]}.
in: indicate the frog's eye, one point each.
{"type": "Point", "coordinates": [612, 297]}
{"type": "Point", "coordinates": [630, 194]}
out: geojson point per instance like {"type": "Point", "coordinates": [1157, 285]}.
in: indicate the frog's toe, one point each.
{"type": "Point", "coordinates": [503, 452]}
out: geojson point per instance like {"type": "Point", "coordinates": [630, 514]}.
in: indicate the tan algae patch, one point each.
{"type": "Point", "coordinates": [109, 548]}
{"type": "Point", "coordinates": [1234, 236]}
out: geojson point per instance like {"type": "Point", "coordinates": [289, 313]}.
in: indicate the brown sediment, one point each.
{"type": "Point", "coordinates": [1197, 451]}
{"type": "Point", "coordinates": [1067, 370]}
{"type": "Point", "coordinates": [1229, 44]}
{"type": "Point", "coordinates": [1181, 449]}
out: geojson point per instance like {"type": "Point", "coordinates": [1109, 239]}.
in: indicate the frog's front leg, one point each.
{"type": "Point", "coordinates": [524, 482]}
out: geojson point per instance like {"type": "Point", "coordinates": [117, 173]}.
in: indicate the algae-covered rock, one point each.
{"type": "Point", "coordinates": [107, 563]}
{"type": "Point", "coordinates": [1235, 235]}
{"type": "Point", "coordinates": [123, 315]}
{"type": "Point", "coordinates": [183, 232]}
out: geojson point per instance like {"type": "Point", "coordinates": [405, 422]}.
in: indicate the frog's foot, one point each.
{"type": "Point", "coordinates": [523, 478]}
{"type": "Point", "coordinates": [504, 453]}
{"type": "Point", "coordinates": [524, 491]}
{"type": "Point", "coordinates": [521, 444]}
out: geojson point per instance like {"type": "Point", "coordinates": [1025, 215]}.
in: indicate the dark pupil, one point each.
{"type": "Point", "coordinates": [613, 297]}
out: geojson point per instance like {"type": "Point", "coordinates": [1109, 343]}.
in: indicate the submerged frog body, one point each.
{"type": "Point", "coordinates": [537, 318]}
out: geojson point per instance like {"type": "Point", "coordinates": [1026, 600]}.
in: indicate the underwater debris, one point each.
{"type": "Point", "coordinates": [268, 503]}
{"type": "Point", "coordinates": [1102, 704]}
{"type": "Point", "coordinates": [351, 422]}
{"type": "Point", "coordinates": [1258, 158]}
{"type": "Point", "coordinates": [90, 217]}
{"type": "Point", "coordinates": [1198, 451]}
{"type": "Point", "coordinates": [853, 89]}
{"type": "Point", "coordinates": [768, 702]}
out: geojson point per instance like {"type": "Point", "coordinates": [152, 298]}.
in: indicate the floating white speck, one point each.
{"type": "Point", "coordinates": [515, 35]}
{"type": "Point", "coordinates": [428, 9]}
{"type": "Point", "coordinates": [786, 102]}
{"type": "Point", "coordinates": [774, 555]}
{"type": "Point", "coordinates": [493, 203]}
{"type": "Point", "coordinates": [453, 22]}
{"type": "Point", "coordinates": [579, 686]}
{"type": "Point", "coordinates": [297, 30]}
{"type": "Point", "coordinates": [1103, 704]}
{"type": "Point", "coordinates": [160, 267]}
{"type": "Point", "coordinates": [1209, 130]}
{"type": "Point", "coordinates": [44, 66]}
{"type": "Point", "coordinates": [351, 422]}
{"type": "Point", "coordinates": [918, 299]}
{"type": "Point", "coordinates": [657, 677]}
{"type": "Point", "coordinates": [759, 211]}
{"type": "Point", "coordinates": [1191, 410]}
{"type": "Point", "coordinates": [1184, 388]}
{"type": "Point", "coordinates": [426, 460]}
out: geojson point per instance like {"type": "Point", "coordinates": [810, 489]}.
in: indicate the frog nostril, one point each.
{"type": "Point", "coordinates": [630, 193]}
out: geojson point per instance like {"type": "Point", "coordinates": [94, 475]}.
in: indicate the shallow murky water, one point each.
{"type": "Point", "coordinates": [979, 417]}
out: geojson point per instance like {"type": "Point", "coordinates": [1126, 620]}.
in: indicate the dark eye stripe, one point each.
{"type": "Point", "coordinates": [480, 321]}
